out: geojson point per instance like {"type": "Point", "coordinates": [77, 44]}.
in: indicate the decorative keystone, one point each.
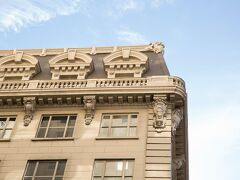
{"type": "Point", "coordinates": [159, 117]}
{"type": "Point", "coordinates": [29, 107]}
{"type": "Point", "coordinates": [177, 117]}
{"type": "Point", "coordinates": [89, 106]}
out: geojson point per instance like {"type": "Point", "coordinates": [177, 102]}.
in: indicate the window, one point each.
{"type": "Point", "coordinates": [6, 127]}
{"type": "Point", "coordinates": [56, 126]}
{"type": "Point", "coordinates": [118, 125]}
{"type": "Point", "coordinates": [45, 170]}
{"type": "Point", "coordinates": [113, 170]}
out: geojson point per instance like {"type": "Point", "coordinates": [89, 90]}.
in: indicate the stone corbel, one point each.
{"type": "Point", "coordinates": [29, 107]}
{"type": "Point", "coordinates": [159, 117]}
{"type": "Point", "coordinates": [177, 117]}
{"type": "Point", "coordinates": [89, 106]}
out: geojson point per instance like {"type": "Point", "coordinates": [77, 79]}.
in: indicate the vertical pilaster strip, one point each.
{"type": "Point", "coordinates": [159, 149]}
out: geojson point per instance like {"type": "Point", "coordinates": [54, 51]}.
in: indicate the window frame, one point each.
{"type": "Point", "coordinates": [8, 117]}
{"type": "Point", "coordinates": [110, 126]}
{"type": "Point", "coordinates": [114, 160]}
{"type": "Point", "coordinates": [37, 164]}
{"type": "Point", "coordinates": [48, 127]}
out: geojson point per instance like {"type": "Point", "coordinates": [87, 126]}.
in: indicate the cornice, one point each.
{"type": "Point", "coordinates": [156, 47]}
{"type": "Point", "coordinates": [134, 90]}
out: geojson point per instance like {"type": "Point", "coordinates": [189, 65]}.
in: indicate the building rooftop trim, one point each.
{"type": "Point", "coordinates": [157, 47]}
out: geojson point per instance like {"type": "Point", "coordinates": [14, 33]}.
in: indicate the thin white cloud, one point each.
{"type": "Point", "coordinates": [131, 37]}
{"type": "Point", "coordinates": [158, 3]}
{"type": "Point", "coordinates": [16, 14]}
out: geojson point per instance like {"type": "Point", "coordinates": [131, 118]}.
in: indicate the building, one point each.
{"type": "Point", "coordinates": [91, 113]}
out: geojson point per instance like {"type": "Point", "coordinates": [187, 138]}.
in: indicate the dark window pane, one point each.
{"type": "Point", "coordinates": [55, 132]}
{"type": "Point", "coordinates": [60, 168]}
{"type": "Point", "coordinates": [69, 132]}
{"type": "Point", "coordinates": [72, 120]}
{"type": "Point", "coordinates": [58, 178]}
{"type": "Point", "coordinates": [134, 116]}
{"type": "Point", "coordinates": [43, 178]}
{"type": "Point", "coordinates": [27, 178]}
{"type": "Point", "coordinates": [12, 119]}
{"type": "Point", "coordinates": [41, 132]}
{"type": "Point", "coordinates": [58, 121]}
{"type": "Point", "coordinates": [44, 122]}
{"type": "Point", "coordinates": [106, 117]}
{"type": "Point", "coordinates": [30, 168]}
{"type": "Point", "coordinates": [45, 168]}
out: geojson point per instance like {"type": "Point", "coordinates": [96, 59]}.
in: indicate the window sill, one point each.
{"type": "Point", "coordinates": [117, 138]}
{"type": "Point", "coordinates": [52, 139]}
{"type": "Point", "coordinates": [5, 140]}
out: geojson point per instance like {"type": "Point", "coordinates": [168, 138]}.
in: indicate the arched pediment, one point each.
{"type": "Point", "coordinates": [18, 66]}
{"type": "Point", "coordinates": [125, 62]}
{"type": "Point", "coordinates": [71, 65]}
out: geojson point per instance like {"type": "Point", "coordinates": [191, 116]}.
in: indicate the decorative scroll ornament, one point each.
{"type": "Point", "coordinates": [159, 109]}
{"type": "Point", "coordinates": [29, 107]}
{"type": "Point", "coordinates": [157, 47]}
{"type": "Point", "coordinates": [89, 106]}
{"type": "Point", "coordinates": [178, 162]}
{"type": "Point", "coordinates": [177, 117]}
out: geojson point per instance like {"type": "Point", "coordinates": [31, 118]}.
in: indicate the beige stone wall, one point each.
{"type": "Point", "coordinates": [80, 152]}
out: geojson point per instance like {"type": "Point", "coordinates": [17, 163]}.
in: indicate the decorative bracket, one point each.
{"type": "Point", "coordinates": [177, 117]}
{"type": "Point", "coordinates": [29, 107]}
{"type": "Point", "coordinates": [89, 106]}
{"type": "Point", "coordinates": [159, 109]}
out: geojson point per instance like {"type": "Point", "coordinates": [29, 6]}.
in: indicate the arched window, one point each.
{"type": "Point", "coordinates": [125, 63]}
{"type": "Point", "coordinates": [19, 66]}
{"type": "Point", "coordinates": [71, 65]}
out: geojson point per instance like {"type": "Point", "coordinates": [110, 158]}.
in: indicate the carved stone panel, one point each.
{"type": "Point", "coordinates": [159, 109]}
{"type": "Point", "coordinates": [29, 107]}
{"type": "Point", "coordinates": [89, 106]}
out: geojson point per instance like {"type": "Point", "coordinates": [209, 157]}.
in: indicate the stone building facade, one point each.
{"type": "Point", "coordinates": [100, 113]}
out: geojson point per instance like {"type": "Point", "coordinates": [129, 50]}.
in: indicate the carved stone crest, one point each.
{"type": "Point", "coordinates": [159, 117]}
{"type": "Point", "coordinates": [29, 107]}
{"type": "Point", "coordinates": [177, 117]}
{"type": "Point", "coordinates": [89, 106]}
{"type": "Point", "coordinates": [157, 47]}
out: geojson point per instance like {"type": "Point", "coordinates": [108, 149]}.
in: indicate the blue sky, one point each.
{"type": "Point", "coordinates": [202, 46]}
